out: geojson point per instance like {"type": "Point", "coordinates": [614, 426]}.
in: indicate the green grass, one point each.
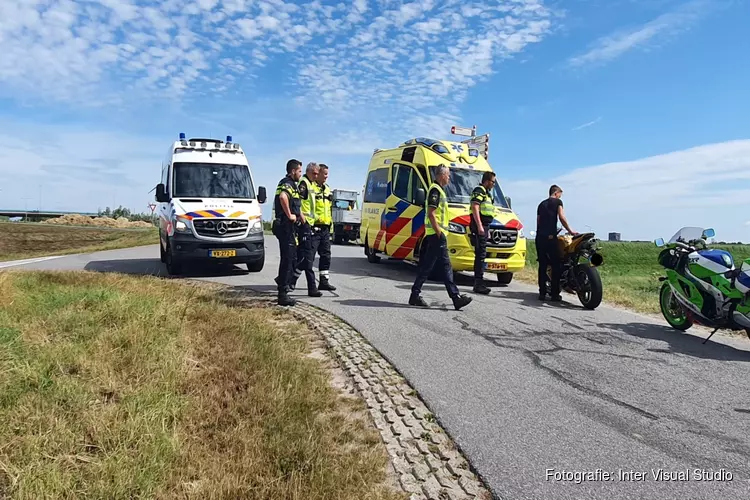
{"type": "Point", "coordinates": [133, 387]}
{"type": "Point", "coordinates": [27, 240]}
{"type": "Point", "coordinates": [630, 272]}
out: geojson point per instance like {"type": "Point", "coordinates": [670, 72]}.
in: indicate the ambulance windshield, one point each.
{"type": "Point", "coordinates": [462, 183]}
{"type": "Point", "coordinates": [212, 180]}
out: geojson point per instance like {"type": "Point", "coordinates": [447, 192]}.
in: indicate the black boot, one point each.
{"type": "Point", "coordinates": [285, 299]}
{"type": "Point", "coordinates": [480, 287]}
{"type": "Point", "coordinates": [417, 300]}
{"type": "Point", "coordinates": [461, 300]}
{"type": "Point", "coordinates": [325, 285]}
{"type": "Point", "coordinates": [314, 292]}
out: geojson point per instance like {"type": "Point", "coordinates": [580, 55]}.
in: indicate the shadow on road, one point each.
{"type": "Point", "coordinates": [681, 343]}
{"type": "Point", "coordinates": [154, 267]}
{"type": "Point", "coordinates": [373, 303]}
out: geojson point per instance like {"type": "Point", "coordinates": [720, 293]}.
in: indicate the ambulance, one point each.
{"type": "Point", "coordinates": [393, 209]}
{"type": "Point", "coordinates": [208, 206]}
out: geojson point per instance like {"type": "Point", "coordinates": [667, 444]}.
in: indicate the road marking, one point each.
{"type": "Point", "coordinates": [27, 261]}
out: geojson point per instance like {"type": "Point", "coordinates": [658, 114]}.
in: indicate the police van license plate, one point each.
{"type": "Point", "coordinates": [221, 254]}
{"type": "Point", "coordinates": [494, 266]}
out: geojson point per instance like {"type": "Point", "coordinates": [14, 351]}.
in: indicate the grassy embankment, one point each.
{"type": "Point", "coordinates": [115, 387]}
{"type": "Point", "coordinates": [630, 272]}
{"type": "Point", "coordinates": [27, 240]}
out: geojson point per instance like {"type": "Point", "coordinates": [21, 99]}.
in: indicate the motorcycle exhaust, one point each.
{"type": "Point", "coordinates": [741, 319]}
{"type": "Point", "coordinates": [596, 259]}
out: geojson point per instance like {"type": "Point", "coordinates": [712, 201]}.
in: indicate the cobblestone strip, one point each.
{"type": "Point", "coordinates": [424, 456]}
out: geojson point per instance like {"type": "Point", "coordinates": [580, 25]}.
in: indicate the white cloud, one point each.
{"type": "Point", "coordinates": [651, 197]}
{"type": "Point", "coordinates": [669, 24]}
{"type": "Point", "coordinates": [587, 124]}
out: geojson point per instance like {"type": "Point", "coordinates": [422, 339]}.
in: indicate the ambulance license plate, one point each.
{"type": "Point", "coordinates": [222, 254]}
{"type": "Point", "coordinates": [494, 266]}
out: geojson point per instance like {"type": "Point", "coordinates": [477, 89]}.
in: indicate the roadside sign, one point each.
{"type": "Point", "coordinates": [481, 139]}
{"type": "Point", "coordinates": [152, 206]}
{"type": "Point", "coordinates": [461, 131]}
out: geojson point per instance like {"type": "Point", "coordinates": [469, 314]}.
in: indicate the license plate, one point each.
{"type": "Point", "coordinates": [220, 254]}
{"type": "Point", "coordinates": [493, 266]}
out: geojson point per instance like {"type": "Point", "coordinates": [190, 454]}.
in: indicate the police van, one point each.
{"type": "Point", "coordinates": [393, 209]}
{"type": "Point", "coordinates": [208, 206]}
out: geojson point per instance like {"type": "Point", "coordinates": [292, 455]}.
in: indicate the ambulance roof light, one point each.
{"type": "Point", "coordinates": [182, 136]}
{"type": "Point", "coordinates": [229, 138]}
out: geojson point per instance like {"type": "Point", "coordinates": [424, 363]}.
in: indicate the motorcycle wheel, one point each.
{"type": "Point", "coordinates": [590, 292]}
{"type": "Point", "coordinates": [672, 311]}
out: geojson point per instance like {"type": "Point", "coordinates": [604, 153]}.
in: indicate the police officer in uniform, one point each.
{"type": "Point", "coordinates": [482, 214]}
{"type": "Point", "coordinates": [287, 214]}
{"type": "Point", "coordinates": [322, 226]}
{"type": "Point", "coordinates": [306, 252]}
{"type": "Point", "coordinates": [435, 248]}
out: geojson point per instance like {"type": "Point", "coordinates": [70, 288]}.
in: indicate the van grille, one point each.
{"type": "Point", "coordinates": [502, 238]}
{"type": "Point", "coordinates": [220, 228]}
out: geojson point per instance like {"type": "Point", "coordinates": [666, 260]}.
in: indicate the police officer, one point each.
{"type": "Point", "coordinates": [483, 213]}
{"type": "Point", "coordinates": [322, 226]}
{"type": "Point", "coordinates": [306, 252]}
{"type": "Point", "coordinates": [435, 247]}
{"type": "Point", "coordinates": [286, 205]}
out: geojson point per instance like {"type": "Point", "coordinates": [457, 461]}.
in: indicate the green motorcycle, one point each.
{"type": "Point", "coordinates": [702, 285]}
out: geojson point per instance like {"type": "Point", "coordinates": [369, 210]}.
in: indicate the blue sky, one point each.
{"type": "Point", "coordinates": [638, 109]}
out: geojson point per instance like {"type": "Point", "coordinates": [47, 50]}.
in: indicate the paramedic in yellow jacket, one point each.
{"type": "Point", "coordinates": [305, 251]}
{"type": "Point", "coordinates": [321, 240]}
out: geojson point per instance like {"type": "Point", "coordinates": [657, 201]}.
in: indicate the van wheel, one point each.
{"type": "Point", "coordinates": [162, 254]}
{"type": "Point", "coordinates": [504, 278]}
{"type": "Point", "coordinates": [371, 255]}
{"type": "Point", "coordinates": [174, 265]}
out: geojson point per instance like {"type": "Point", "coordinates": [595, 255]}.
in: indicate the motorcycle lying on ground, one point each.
{"type": "Point", "coordinates": [579, 273]}
{"type": "Point", "coordinates": [702, 286]}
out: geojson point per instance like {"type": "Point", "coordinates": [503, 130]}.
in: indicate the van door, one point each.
{"type": "Point", "coordinates": [373, 206]}
{"type": "Point", "coordinates": [404, 218]}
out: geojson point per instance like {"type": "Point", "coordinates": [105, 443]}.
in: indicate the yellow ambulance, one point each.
{"type": "Point", "coordinates": [393, 209]}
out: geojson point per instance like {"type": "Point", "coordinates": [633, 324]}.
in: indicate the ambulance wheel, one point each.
{"type": "Point", "coordinates": [256, 266]}
{"type": "Point", "coordinates": [504, 278]}
{"type": "Point", "coordinates": [162, 254]}
{"type": "Point", "coordinates": [174, 265]}
{"type": "Point", "coordinates": [371, 256]}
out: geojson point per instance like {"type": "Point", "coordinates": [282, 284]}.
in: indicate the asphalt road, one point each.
{"type": "Point", "coordinates": [524, 387]}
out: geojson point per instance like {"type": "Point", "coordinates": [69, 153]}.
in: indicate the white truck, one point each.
{"type": "Point", "coordinates": [347, 216]}
{"type": "Point", "coordinates": [208, 206]}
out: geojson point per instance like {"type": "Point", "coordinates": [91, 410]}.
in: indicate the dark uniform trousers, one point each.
{"type": "Point", "coordinates": [480, 248]}
{"type": "Point", "coordinates": [548, 254]}
{"type": "Point", "coordinates": [284, 231]}
{"type": "Point", "coordinates": [435, 253]}
{"type": "Point", "coordinates": [321, 244]}
{"type": "Point", "coordinates": [305, 257]}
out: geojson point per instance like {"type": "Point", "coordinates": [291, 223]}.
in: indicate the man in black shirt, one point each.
{"type": "Point", "coordinates": [547, 246]}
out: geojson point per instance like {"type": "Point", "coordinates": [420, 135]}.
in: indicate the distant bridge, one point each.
{"type": "Point", "coordinates": [36, 215]}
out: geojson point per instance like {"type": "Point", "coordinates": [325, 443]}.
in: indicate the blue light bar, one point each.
{"type": "Point", "coordinates": [182, 136]}
{"type": "Point", "coordinates": [229, 138]}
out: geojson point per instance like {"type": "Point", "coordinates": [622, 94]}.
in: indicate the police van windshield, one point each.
{"type": "Point", "coordinates": [462, 183]}
{"type": "Point", "coordinates": [212, 180]}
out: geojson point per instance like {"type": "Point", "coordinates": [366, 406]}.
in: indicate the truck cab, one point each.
{"type": "Point", "coordinates": [208, 206]}
{"type": "Point", "coordinates": [347, 216]}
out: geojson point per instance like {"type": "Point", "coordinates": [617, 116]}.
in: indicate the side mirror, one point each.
{"type": "Point", "coordinates": [261, 194]}
{"type": "Point", "coordinates": [508, 200]}
{"type": "Point", "coordinates": [659, 242]}
{"type": "Point", "coordinates": [709, 233]}
{"type": "Point", "coordinates": [420, 197]}
{"type": "Point", "coordinates": [161, 193]}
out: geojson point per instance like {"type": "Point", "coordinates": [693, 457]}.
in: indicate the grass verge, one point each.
{"type": "Point", "coordinates": [114, 386]}
{"type": "Point", "coordinates": [28, 240]}
{"type": "Point", "coordinates": [630, 273]}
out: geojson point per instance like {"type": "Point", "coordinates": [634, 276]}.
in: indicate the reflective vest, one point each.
{"type": "Point", "coordinates": [486, 208]}
{"type": "Point", "coordinates": [288, 185]}
{"type": "Point", "coordinates": [323, 205]}
{"type": "Point", "coordinates": [441, 213]}
{"type": "Point", "coordinates": [308, 202]}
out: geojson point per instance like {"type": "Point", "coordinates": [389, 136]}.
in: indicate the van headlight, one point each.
{"type": "Point", "coordinates": [521, 233]}
{"type": "Point", "coordinates": [181, 226]}
{"type": "Point", "coordinates": [456, 228]}
{"type": "Point", "coordinates": [256, 225]}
